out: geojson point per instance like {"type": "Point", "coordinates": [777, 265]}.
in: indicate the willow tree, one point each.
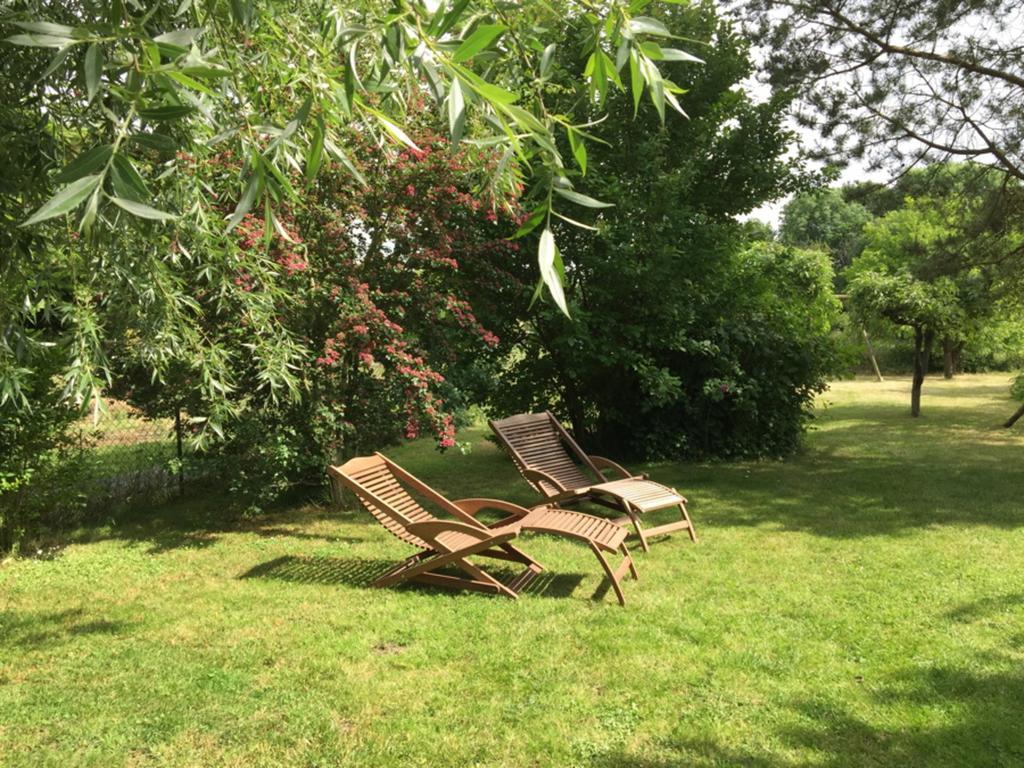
{"type": "Point", "coordinates": [109, 104]}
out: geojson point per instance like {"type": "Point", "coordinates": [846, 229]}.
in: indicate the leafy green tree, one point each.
{"type": "Point", "coordinates": [166, 162]}
{"type": "Point", "coordinates": [1017, 392]}
{"type": "Point", "coordinates": [823, 218]}
{"type": "Point", "coordinates": [900, 80]}
{"type": "Point", "coordinates": [127, 103]}
{"type": "Point", "coordinates": [684, 340]}
{"type": "Point", "coordinates": [931, 266]}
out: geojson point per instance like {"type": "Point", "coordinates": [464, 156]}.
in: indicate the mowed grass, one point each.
{"type": "Point", "coordinates": [860, 604]}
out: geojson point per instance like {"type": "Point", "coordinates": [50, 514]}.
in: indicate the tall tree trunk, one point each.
{"type": "Point", "coordinates": [871, 354]}
{"type": "Point", "coordinates": [1013, 419]}
{"type": "Point", "coordinates": [923, 340]}
{"type": "Point", "coordinates": [948, 358]}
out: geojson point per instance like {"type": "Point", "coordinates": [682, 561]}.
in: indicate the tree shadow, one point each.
{"type": "Point", "coordinates": [986, 606]}
{"type": "Point", "coordinates": [960, 718]}
{"type": "Point", "coordinates": [925, 714]}
{"type": "Point", "coordinates": [859, 482]}
{"type": "Point", "coordinates": [42, 629]}
{"type": "Point", "coordinates": [198, 521]}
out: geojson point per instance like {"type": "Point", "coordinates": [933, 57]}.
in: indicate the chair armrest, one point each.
{"type": "Point", "coordinates": [473, 507]}
{"type": "Point", "coordinates": [602, 464]}
{"type": "Point", "coordinates": [536, 476]}
{"type": "Point", "coordinates": [430, 529]}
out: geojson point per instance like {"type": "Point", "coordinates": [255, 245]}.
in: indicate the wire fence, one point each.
{"type": "Point", "coordinates": [125, 455]}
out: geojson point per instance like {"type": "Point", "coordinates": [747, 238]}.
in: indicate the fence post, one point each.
{"type": "Point", "coordinates": [181, 454]}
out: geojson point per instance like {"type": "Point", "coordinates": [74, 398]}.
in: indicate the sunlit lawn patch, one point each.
{"type": "Point", "coordinates": [861, 604]}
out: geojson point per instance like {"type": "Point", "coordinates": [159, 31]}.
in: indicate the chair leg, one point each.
{"type": "Point", "coordinates": [686, 516]}
{"type": "Point", "coordinates": [398, 572]}
{"type": "Point", "coordinates": [420, 567]}
{"type": "Point", "coordinates": [629, 559]}
{"type": "Point", "coordinates": [613, 576]}
{"type": "Point", "coordinates": [635, 519]}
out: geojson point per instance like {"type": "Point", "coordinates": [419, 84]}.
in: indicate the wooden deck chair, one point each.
{"type": "Point", "coordinates": [558, 469]}
{"type": "Point", "coordinates": [382, 487]}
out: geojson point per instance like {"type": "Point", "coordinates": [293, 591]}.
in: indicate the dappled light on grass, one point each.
{"type": "Point", "coordinates": [858, 605]}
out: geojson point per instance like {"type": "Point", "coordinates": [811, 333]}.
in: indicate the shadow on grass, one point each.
{"type": "Point", "coordinates": [361, 572]}
{"type": "Point", "coordinates": [198, 520]}
{"type": "Point", "coordinates": [964, 718]}
{"type": "Point", "coordinates": [961, 715]}
{"type": "Point", "coordinates": [40, 629]}
{"type": "Point", "coordinates": [858, 480]}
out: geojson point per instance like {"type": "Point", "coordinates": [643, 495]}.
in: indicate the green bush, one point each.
{"type": "Point", "coordinates": [40, 463]}
{"type": "Point", "coordinates": [686, 339]}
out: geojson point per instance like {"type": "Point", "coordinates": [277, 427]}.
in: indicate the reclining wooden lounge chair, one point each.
{"type": "Point", "coordinates": [381, 487]}
{"type": "Point", "coordinates": [558, 469]}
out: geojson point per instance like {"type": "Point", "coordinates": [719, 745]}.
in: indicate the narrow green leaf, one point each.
{"type": "Point", "coordinates": [546, 60]}
{"type": "Point", "coordinates": [315, 156]}
{"type": "Point", "coordinates": [39, 41]}
{"type": "Point", "coordinates": [165, 114]}
{"type": "Point", "coordinates": [481, 38]}
{"type": "Point", "coordinates": [654, 81]}
{"type": "Point", "coordinates": [484, 89]}
{"type": "Point", "coordinates": [579, 199]}
{"type": "Point", "coordinates": [671, 99]}
{"type": "Point", "coordinates": [211, 73]}
{"type": "Point", "coordinates": [338, 153]}
{"type": "Point", "coordinates": [188, 82]}
{"type": "Point", "coordinates": [85, 163]}
{"type": "Point", "coordinates": [252, 188]}
{"type": "Point", "coordinates": [392, 129]}
{"type": "Point", "coordinates": [56, 61]}
{"type": "Point", "coordinates": [538, 216]}
{"type": "Point", "coordinates": [158, 141]}
{"type": "Point", "coordinates": [181, 38]}
{"type": "Point", "coordinates": [44, 28]}
{"type": "Point", "coordinates": [610, 71]}
{"type": "Point", "coordinates": [599, 78]}
{"type": "Point", "coordinates": [527, 121]}
{"type": "Point", "coordinates": [449, 20]}
{"type": "Point", "coordinates": [242, 11]}
{"type": "Point", "coordinates": [636, 81]}
{"type": "Point", "coordinates": [91, 208]}
{"type": "Point", "coordinates": [575, 223]}
{"type": "Point", "coordinates": [579, 149]}
{"type": "Point", "coordinates": [141, 210]}
{"type": "Point", "coordinates": [66, 199]}
{"type": "Point", "coordinates": [126, 180]}
{"type": "Point", "coordinates": [648, 26]}
{"type": "Point", "coordinates": [547, 255]}
{"type": "Point", "coordinates": [93, 67]}
{"type": "Point", "coordinates": [621, 54]}
{"type": "Point", "coordinates": [456, 111]}
{"type": "Point", "coordinates": [674, 54]}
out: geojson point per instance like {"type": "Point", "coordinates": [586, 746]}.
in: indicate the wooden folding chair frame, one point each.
{"type": "Point", "coordinates": [602, 493]}
{"type": "Point", "coordinates": [491, 541]}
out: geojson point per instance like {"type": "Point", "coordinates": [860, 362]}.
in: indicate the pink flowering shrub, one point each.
{"type": "Point", "coordinates": [373, 283]}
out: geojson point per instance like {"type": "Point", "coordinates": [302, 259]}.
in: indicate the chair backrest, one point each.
{"type": "Point", "coordinates": [538, 441]}
{"type": "Point", "coordinates": [375, 482]}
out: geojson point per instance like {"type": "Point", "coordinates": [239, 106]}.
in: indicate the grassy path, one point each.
{"type": "Point", "coordinates": [861, 604]}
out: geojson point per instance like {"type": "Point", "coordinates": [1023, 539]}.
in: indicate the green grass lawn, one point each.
{"type": "Point", "coordinates": [861, 604]}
